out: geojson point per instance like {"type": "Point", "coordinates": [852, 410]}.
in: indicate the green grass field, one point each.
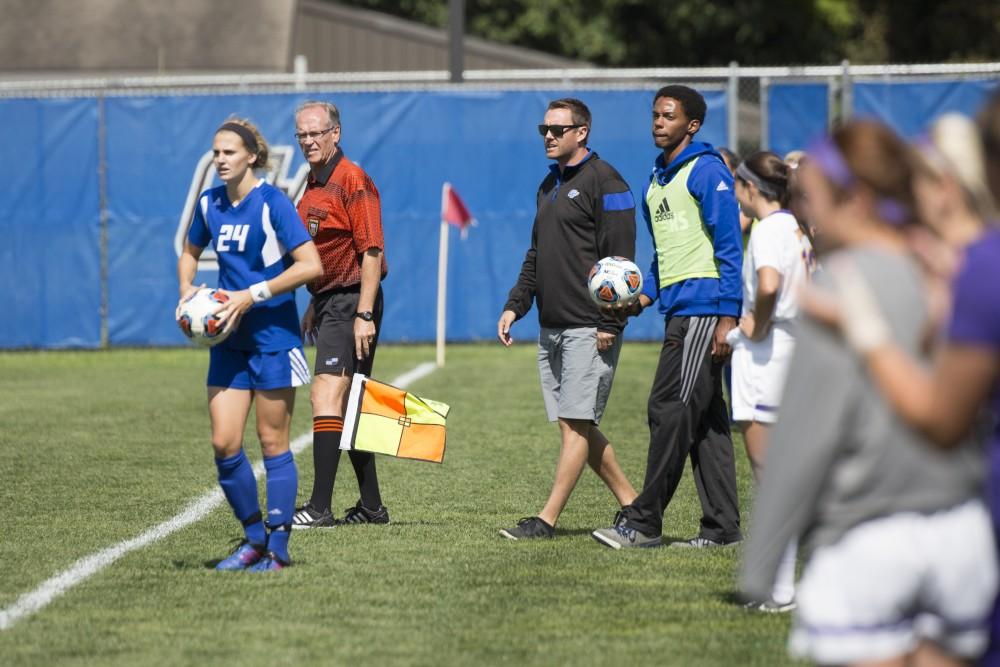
{"type": "Point", "coordinates": [96, 447]}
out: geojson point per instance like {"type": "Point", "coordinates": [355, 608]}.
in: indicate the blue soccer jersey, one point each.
{"type": "Point", "coordinates": [253, 241]}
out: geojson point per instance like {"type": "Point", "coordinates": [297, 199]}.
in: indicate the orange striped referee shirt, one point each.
{"type": "Point", "coordinates": [342, 212]}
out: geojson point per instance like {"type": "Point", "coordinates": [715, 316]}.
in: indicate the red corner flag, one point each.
{"type": "Point", "coordinates": [454, 210]}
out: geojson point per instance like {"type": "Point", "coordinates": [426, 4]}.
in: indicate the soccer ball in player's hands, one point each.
{"type": "Point", "coordinates": [615, 282]}
{"type": "Point", "coordinates": [197, 316]}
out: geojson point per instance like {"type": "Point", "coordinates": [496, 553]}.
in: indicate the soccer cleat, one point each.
{"type": "Point", "coordinates": [529, 528]}
{"type": "Point", "coordinates": [771, 606]}
{"type": "Point", "coordinates": [702, 543]}
{"type": "Point", "coordinates": [269, 563]}
{"type": "Point", "coordinates": [361, 514]}
{"type": "Point", "coordinates": [308, 516]}
{"type": "Point", "coordinates": [243, 556]}
{"type": "Point", "coordinates": [620, 536]}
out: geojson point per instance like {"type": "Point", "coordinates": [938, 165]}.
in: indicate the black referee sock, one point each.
{"type": "Point", "coordinates": [326, 459]}
{"type": "Point", "coordinates": [364, 468]}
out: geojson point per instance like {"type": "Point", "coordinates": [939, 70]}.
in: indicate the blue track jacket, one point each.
{"type": "Point", "coordinates": [711, 184]}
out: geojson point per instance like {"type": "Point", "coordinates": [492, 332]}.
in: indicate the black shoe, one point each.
{"type": "Point", "coordinates": [308, 516]}
{"type": "Point", "coordinates": [361, 514]}
{"type": "Point", "coordinates": [529, 528]}
{"type": "Point", "coordinates": [702, 543]}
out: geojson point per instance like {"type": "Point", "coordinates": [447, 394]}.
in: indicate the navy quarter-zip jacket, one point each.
{"type": "Point", "coordinates": [584, 214]}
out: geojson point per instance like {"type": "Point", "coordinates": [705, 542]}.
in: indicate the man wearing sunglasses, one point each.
{"type": "Point", "coordinates": [585, 212]}
{"type": "Point", "coordinates": [342, 212]}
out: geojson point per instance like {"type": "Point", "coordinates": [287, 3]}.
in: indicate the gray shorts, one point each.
{"type": "Point", "coordinates": [576, 378]}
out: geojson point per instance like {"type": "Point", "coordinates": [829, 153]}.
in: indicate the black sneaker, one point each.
{"type": "Point", "coordinates": [308, 516]}
{"type": "Point", "coordinates": [361, 514]}
{"type": "Point", "coordinates": [529, 528]}
{"type": "Point", "coordinates": [702, 543]}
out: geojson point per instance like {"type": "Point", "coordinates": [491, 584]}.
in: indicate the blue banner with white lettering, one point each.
{"type": "Point", "coordinates": [158, 159]}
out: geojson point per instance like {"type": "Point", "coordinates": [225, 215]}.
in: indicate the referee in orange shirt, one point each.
{"type": "Point", "coordinates": [341, 210]}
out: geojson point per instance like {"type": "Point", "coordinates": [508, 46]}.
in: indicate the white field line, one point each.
{"type": "Point", "coordinates": [51, 588]}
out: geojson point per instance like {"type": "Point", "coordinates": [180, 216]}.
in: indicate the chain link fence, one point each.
{"type": "Point", "coordinates": [749, 86]}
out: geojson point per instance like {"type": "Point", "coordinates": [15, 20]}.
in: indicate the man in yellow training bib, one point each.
{"type": "Point", "coordinates": [693, 217]}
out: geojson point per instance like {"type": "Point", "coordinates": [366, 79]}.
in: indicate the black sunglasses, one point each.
{"type": "Point", "coordinates": [556, 130]}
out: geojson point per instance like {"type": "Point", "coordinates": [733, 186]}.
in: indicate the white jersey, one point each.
{"type": "Point", "coordinates": [776, 241]}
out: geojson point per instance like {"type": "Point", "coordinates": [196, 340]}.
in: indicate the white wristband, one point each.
{"type": "Point", "coordinates": [260, 291]}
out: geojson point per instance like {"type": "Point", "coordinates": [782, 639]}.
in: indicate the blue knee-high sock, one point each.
{"type": "Point", "coordinates": [240, 486]}
{"type": "Point", "coordinates": [282, 485]}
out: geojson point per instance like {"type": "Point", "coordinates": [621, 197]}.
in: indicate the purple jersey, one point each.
{"type": "Point", "coordinates": [975, 318]}
{"type": "Point", "coordinates": [975, 321]}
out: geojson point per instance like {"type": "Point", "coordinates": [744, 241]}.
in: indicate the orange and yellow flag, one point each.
{"type": "Point", "coordinates": [383, 419]}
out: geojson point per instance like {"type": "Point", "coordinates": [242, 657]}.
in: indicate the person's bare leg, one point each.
{"type": "Point", "coordinates": [929, 654]}
{"type": "Point", "coordinates": [899, 661]}
{"type": "Point", "coordinates": [755, 439]}
{"type": "Point", "coordinates": [602, 459]}
{"type": "Point", "coordinates": [572, 459]}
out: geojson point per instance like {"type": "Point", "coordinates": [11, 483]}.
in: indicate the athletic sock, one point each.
{"type": "Point", "coordinates": [326, 458]}
{"type": "Point", "coordinates": [364, 468]}
{"type": "Point", "coordinates": [784, 582]}
{"type": "Point", "coordinates": [240, 488]}
{"type": "Point", "coordinates": [282, 485]}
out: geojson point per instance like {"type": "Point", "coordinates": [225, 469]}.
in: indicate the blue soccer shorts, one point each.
{"type": "Point", "coordinates": [250, 369]}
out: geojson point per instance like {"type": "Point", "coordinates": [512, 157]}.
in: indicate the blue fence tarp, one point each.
{"type": "Point", "coordinates": [483, 142]}
{"type": "Point", "coordinates": [798, 113]}
{"type": "Point", "coordinates": [909, 107]}
{"type": "Point", "coordinates": [50, 221]}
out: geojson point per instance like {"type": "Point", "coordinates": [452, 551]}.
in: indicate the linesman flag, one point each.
{"type": "Point", "coordinates": [385, 420]}
{"type": "Point", "coordinates": [454, 211]}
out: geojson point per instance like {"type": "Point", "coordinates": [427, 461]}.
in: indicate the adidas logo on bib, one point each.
{"type": "Point", "coordinates": [662, 212]}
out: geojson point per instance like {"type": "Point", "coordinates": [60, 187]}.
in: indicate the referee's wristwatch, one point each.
{"type": "Point", "coordinates": [366, 315]}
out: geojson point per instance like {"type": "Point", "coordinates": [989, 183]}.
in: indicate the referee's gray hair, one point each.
{"type": "Point", "coordinates": [331, 109]}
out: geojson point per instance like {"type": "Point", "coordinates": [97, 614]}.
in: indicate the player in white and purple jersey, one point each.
{"type": "Point", "coordinates": [264, 253]}
{"type": "Point", "coordinates": [946, 402]}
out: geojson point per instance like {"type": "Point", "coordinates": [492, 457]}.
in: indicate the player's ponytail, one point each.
{"type": "Point", "coordinates": [989, 132]}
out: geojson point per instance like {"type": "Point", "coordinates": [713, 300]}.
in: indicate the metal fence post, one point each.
{"type": "Point", "coordinates": [733, 107]}
{"type": "Point", "coordinates": [102, 202]}
{"type": "Point", "coordinates": [456, 37]}
{"type": "Point", "coordinates": [846, 92]}
{"type": "Point", "coordinates": [831, 102]}
{"type": "Point", "coordinates": [765, 114]}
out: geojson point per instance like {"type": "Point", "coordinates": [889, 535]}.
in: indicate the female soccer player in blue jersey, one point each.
{"type": "Point", "coordinates": [264, 253]}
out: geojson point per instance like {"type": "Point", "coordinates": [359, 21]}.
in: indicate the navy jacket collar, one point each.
{"type": "Point", "coordinates": [571, 169]}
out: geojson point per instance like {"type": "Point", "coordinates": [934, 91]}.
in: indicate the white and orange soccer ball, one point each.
{"type": "Point", "coordinates": [614, 281]}
{"type": "Point", "coordinates": [197, 317]}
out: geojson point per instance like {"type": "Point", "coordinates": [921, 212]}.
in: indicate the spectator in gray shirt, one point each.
{"type": "Point", "coordinates": [902, 561]}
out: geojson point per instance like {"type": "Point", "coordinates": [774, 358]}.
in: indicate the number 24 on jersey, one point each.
{"type": "Point", "coordinates": [236, 234]}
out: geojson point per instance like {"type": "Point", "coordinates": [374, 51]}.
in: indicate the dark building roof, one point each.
{"type": "Point", "coordinates": [44, 37]}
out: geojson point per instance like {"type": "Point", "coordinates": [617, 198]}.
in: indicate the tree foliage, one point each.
{"type": "Point", "coordinates": [665, 33]}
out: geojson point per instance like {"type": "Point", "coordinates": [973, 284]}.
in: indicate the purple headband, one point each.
{"type": "Point", "coordinates": [825, 154]}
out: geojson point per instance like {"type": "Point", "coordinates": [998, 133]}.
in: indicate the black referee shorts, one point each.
{"type": "Point", "coordinates": [335, 353]}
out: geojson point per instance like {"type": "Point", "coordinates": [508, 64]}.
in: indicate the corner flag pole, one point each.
{"type": "Point", "coordinates": [442, 277]}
